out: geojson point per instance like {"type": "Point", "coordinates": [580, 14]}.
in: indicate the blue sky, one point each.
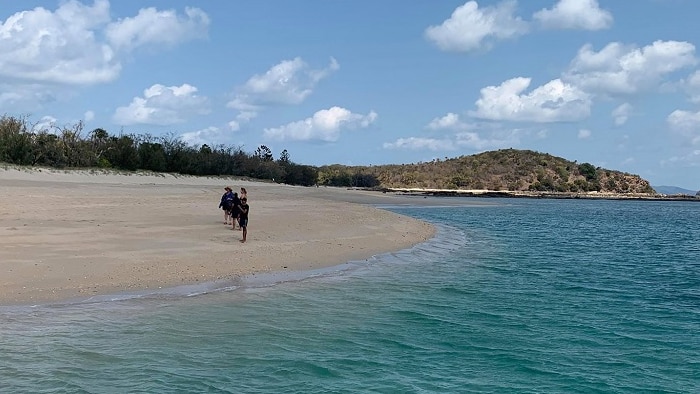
{"type": "Point", "coordinates": [615, 83]}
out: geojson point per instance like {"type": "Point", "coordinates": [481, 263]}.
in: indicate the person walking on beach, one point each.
{"type": "Point", "coordinates": [235, 211]}
{"type": "Point", "coordinates": [244, 194]}
{"type": "Point", "coordinates": [243, 217]}
{"type": "Point", "coordinates": [226, 204]}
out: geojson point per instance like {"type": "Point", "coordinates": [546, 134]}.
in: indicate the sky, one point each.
{"type": "Point", "coordinates": [614, 83]}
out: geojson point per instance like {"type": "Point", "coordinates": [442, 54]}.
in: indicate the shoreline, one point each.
{"type": "Point", "coordinates": [540, 195]}
{"type": "Point", "coordinates": [67, 235]}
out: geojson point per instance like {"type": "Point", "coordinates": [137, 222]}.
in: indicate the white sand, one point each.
{"type": "Point", "coordinates": [67, 234]}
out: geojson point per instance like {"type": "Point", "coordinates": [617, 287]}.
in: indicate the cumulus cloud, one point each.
{"type": "Point", "coordinates": [575, 14]}
{"type": "Point", "coordinates": [78, 44]}
{"type": "Point", "coordinates": [289, 82]}
{"type": "Point", "coordinates": [88, 116]}
{"type": "Point", "coordinates": [493, 140]}
{"type": "Point", "coordinates": [620, 69]}
{"type": "Point", "coordinates": [325, 125]}
{"type": "Point", "coordinates": [450, 121]}
{"type": "Point", "coordinates": [23, 96]}
{"type": "Point", "coordinates": [470, 27]}
{"type": "Point", "coordinates": [692, 159]}
{"type": "Point", "coordinates": [163, 105]}
{"type": "Point", "coordinates": [692, 86]}
{"type": "Point", "coordinates": [202, 136]}
{"type": "Point", "coordinates": [60, 46]}
{"type": "Point", "coordinates": [621, 114]}
{"type": "Point", "coordinates": [242, 117]}
{"type": "Point", "coordinates": [555, 101]}
{"type": "Point", "coordinates": [465, 139]}
{"type": "Point", "coordinates": [584, 134]}
{"type": "Point", "coordinates": [686, 124]}
{"type": "Point", "coordinates": [234, 125]}
{"type": "Point", "coordinates": [419, 143]}
{"type": "Point", "coordinates": [153, 27]}
{"type": "Point", "coordinates": [47, 123]}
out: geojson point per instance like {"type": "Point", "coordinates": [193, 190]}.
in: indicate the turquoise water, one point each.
{"type": "Point", "coordinates": [545, 296]}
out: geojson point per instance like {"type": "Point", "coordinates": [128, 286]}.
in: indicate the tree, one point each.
{"type": "Point", "coordinates": [588, 171]}
{"type": "Point", "coordinates": [264, 153]}
{"type": "Point", "coordinates": [152, 157]}
{"type": "Point", "coordinates": [284, 157]}
{"type": "Point", "coordinates": [124, 155]}
{"type": "Point", "coordinates": [99, 135]}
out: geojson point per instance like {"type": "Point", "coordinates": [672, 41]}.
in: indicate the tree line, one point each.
{"type": "Point", "coordinates": [73, 147]}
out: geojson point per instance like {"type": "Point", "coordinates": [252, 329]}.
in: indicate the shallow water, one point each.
{"type": "Point", "coordinates": [525, 296]}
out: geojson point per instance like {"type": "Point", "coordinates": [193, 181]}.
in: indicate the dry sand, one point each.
{"type": "Point", "coordinates": [74, 234]}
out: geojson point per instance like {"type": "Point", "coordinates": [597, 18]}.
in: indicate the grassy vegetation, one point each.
{"type": "Point", "coordinates": [505, 169]}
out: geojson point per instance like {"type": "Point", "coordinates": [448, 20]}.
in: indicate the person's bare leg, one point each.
{"type": "Point", "coordinates": [245, 233]}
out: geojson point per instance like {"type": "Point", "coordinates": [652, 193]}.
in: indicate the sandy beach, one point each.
{"type": "Point", "coordinates": [73, 234]}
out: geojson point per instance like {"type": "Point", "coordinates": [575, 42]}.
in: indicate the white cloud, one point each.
{"type": "Point", "coordinates": [555, 101]}
{"type": "Point", "coordinates": [68, 45]}
{"type": "Point", "coordinates": [494, 140]}
{"type": "Point", "coordinates": [88, 116]}
{"type": "Point", "coordinates": [418, 143]}
{"type": "Point", "coordinates": [162, 105]}
{"type": "Point", "coordinates": [242, 117]}
{"type": "Point", "coordinates": [289, 82]}
{"type": "Point", "coordinates": [691, 159]}
{"type": "Point", "coordinates": [60, 46]}
{"type": "Point", "coordinates": [246, 116]}
{"type": "Point", "coordinates": [621, 114]}
{"type": "Point", "coordinates": [153, 27]}
{"type": "Point", "coordinates": [584, 134]}
{"type": "Point", "coordinates": [686, 124]}
{"type": "Point", "coordinates": [620, 69]}
{"type": "Point", "coordinates": [201, 137]}
{"type": "Point", "coordinates": [575, 14]}
{"type": "Point", "coordinates": [470, 27]}
{"type": "Point", "coordinates": [692, 86]}
{"type": "Point", "coordinates": [450, 121]}
{"type": "Point", "coordinates": [14, 96]}
{"type": "Point", "coordinates": [464, 139]}
{"type": "Point", "coordinates": [234, 125]}
{"type": "Point", "coordinates": [324, 125]}
{"type": "Point", "coordinates": [46, 123]}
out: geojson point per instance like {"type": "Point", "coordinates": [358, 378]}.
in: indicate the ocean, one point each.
{"type": "Point", "coordinates": [518, 296]}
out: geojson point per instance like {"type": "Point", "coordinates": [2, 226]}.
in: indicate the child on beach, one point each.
{"type": "Point", "coordinates": [235, 204]}
{"type": "Point", "coordinates": [243, 217]}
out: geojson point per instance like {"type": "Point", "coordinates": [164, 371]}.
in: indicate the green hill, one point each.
{"type": "Point", "coordinates": [501, 170]}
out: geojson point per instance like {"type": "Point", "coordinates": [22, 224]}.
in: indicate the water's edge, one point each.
{"type": "Point", "coordinates": [446, 239]}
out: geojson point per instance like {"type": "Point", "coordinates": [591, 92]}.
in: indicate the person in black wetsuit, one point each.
{"type": "Point", "coordinates": [243, 217]}
{"type": "Point", "coordinates": [235, 211]}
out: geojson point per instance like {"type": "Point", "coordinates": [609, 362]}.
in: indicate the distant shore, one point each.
{"type": "Point", "coordinates": [536, 194]}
